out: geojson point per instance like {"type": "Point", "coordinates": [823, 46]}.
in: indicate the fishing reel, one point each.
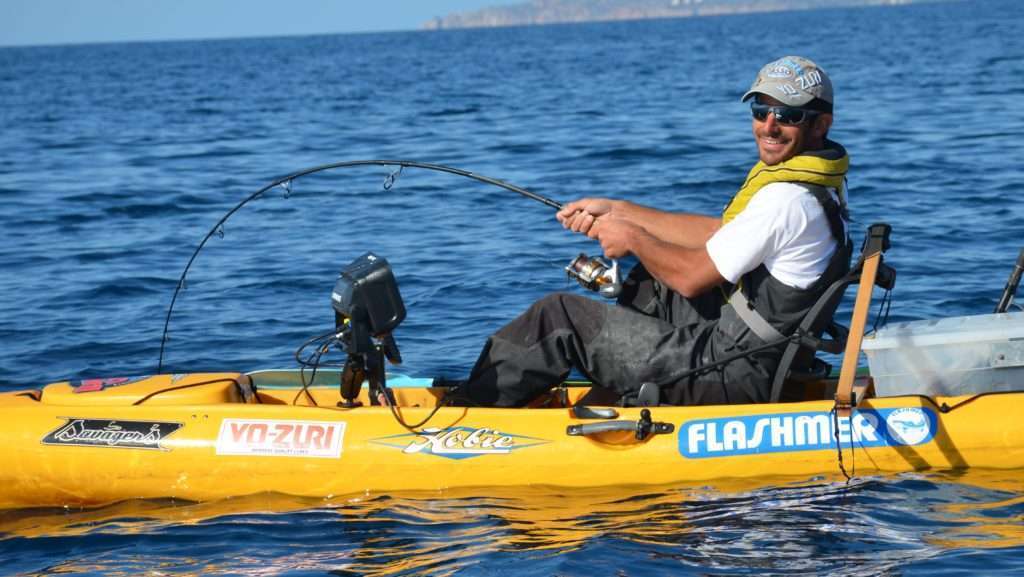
{"type": "Point", "coordinates": [596, 275]}
{"type": "Point", "coordinates": [367, 308]}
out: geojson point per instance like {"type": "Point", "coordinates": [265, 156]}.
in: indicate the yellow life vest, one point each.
{"type": "Point", "coordinates": [826, 167]}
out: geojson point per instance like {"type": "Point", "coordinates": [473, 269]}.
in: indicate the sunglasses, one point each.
{"type": "Point", "coordinates": [785, 115]}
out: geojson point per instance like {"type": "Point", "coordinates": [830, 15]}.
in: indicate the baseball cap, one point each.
{"type": "Point", "coordinates": [793, 81]}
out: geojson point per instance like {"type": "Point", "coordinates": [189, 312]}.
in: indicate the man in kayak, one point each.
{"type": "Point", "coordinates": [707, 286]}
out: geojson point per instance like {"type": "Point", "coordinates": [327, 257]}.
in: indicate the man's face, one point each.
{"type": "Point", "coordinates": [777, 142]}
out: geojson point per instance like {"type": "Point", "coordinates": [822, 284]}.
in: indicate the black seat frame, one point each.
{"type": "Point", "coordinates": [798, 363]}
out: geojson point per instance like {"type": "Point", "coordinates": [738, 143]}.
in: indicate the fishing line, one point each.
{"type": "Point", "coordinates": [286, 183]}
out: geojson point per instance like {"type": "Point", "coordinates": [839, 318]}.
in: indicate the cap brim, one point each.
{"type": "Point", "coordinates": [788, 101]}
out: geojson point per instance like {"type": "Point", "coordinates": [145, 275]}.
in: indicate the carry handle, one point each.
{"type": "Point", "coordinates": [642, 428]}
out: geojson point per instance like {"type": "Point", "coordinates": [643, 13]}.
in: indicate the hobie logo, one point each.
{"type": "Point", "coordinates": [790, 432]}
{"type": "Point", "coordinates": [269, 438]}
{"type": "Point", "coordinates": [460, 442]}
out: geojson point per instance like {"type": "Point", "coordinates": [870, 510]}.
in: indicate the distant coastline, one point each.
{"type": "Point", "coordinates": [540, 12]}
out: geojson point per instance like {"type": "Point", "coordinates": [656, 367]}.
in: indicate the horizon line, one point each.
{"type": "Point", "coordinates": [425, 29]}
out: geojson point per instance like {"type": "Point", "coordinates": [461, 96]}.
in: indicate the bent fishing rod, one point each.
{"type": "Point", "coordinates": [592, 273]}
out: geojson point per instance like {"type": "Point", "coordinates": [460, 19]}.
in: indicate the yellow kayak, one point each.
{"type": "Point", "coordinates": [209, 436]}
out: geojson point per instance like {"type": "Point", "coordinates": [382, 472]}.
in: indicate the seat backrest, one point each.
{"type": "Point", "coordinates": [799, 355]}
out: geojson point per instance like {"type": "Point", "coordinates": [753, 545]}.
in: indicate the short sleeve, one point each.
{"type": "Point", "coordinates": [766, 229]}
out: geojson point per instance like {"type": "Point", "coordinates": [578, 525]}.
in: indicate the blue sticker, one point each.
{"type": "Point", "coordinates": [459, 442]}
{"type": "Point", "coordinates": [810, 431]}
{"type": "Point", "coordinates": [799, 70]}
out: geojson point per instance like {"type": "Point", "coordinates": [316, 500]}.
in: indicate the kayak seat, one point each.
{"type": "Point", "coordinates": [800, 375]}
{"type": "Point", "coordinates": [799, 367]}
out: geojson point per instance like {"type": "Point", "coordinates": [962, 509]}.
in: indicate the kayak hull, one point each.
{"type": "Point", "coordinates": [212, 436]}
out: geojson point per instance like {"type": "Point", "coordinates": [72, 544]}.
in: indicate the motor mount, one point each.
{"type": "Point", "coordinates": [367, 308]}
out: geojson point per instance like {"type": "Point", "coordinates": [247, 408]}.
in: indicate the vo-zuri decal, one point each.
{"type": "Point", "coordinates": [278, 438]}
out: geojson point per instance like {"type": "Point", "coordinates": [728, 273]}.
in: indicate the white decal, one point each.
{"type": "Point", "coordinates": [462, 442]}
{"type": "Point", "coordinates": [809, 80]}
{"type": "Point", "coordinates": [780, 71]}
{"type": "Point", "coordinates": [908, 426]}
{"type": "Point", "coordinates": [807, 431]}
{"type": "Point", "coordinates": [272, 438]}
{"type": "Point", "coordinates": [788, 90]}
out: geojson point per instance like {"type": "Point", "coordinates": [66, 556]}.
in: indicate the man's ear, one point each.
{"type": "Point", "coordinates": [821, 125]}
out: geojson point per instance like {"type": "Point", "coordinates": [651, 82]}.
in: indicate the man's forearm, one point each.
{"type": "Point", "coordinates": [680, 228]}
{"type": "Point", "coordinates": [686, 270]}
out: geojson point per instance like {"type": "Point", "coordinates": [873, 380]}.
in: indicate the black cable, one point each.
{"type": "Point", "coordinates": [401, 421]}
{"type": "Point", "coordinates": [310, 341]}
{"type": "Point", "coordinates": [882, 316]}
{"type": "Point", "coordinates": [839, 445]}
{"type": "Point", "coordinates": [700, 370]}
{"type": "Point", "coordinates": [286, 182]}
{"type": "Point", "coordinates": [313, 361]}
{"type": "Point", "coordinates": [186, 386]}
{"type": "Point", "coordinates": [325, 341]}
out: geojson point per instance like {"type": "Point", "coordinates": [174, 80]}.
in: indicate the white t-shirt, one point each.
{"type": "Point", "coordinates": [783, 227]}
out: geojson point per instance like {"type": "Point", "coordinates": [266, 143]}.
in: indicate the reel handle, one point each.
{"type": "Point", "coordinates": [613, 285]}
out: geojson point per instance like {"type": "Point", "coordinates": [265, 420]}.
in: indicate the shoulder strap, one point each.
{"type": "Point", "coordinates": [753, 319]}
{"type": "Point", "coordinates": [834, 212]}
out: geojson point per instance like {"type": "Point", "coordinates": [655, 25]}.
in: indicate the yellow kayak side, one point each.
{"type": "Point", "coordinates": [207, 437]}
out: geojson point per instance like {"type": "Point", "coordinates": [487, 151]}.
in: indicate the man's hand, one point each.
{"type": "Point", "coordinates": [616, 235]}
{"type": "Point", "coordinates": [579, 216]}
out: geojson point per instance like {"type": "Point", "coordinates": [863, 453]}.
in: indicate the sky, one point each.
{"type": "Point", "coordinates": [34, 22]}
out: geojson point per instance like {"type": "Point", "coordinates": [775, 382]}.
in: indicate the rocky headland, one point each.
{"type": "Point", "coordinates": [561, 11]}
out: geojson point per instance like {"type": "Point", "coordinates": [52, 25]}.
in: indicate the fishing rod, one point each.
{"type": "Point", "coordinates": [1011, 285]}
{"type": "Point", "coordinates": [591, 272]}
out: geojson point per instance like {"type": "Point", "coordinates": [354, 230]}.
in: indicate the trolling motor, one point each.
{"type": "Point", "coordinates": [367, 308]}
{"type": "Point", "coordinates": [596, 275]}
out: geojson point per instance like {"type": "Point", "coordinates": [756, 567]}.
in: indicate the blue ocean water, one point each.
{"type": "Point", "coordinates": [117, 159]}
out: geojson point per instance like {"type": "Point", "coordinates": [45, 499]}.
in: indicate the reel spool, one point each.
{"type": "Point", "coordinates": [596, 275]}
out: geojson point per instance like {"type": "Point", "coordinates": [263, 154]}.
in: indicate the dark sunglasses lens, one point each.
{"type": "Point", "coordinates": [783, 114]}
{"type": "Point", "coordinates": [787, 115]}
{"type": "Point", "coordinates": [760, 111]}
